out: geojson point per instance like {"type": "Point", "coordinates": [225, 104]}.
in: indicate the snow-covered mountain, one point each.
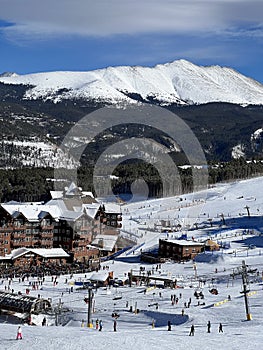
{"type": "Point", "coordinates": [8, 74]}
{"type": "Point", "coordinates": [179, 82]}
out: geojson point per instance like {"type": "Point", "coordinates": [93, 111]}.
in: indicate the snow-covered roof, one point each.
{"type": "Point", "coordinates": [91, 209]}
{"type": "Point", "coordinates": [50, 252]}
{"type": "Point", "coordinates": [87, 194]}
{"type": "Point", "coordinates": [100, 276]}
{"type": "Point", "coordinates": [183, 242]}
{"type": "Point", "coordinates": [56, 194]}
{"type": "Point", "coordinates": [71, 215]}
{"type": "Point", "coordinates": [33, 211]}
{"type": "Point", "coordinates": [112, 207]}
{"type": "Point", "coordinates": [45, 253]}
{"type": "Point", "coordinates": [72, 190]}
{"type": "Point", "coordinates": [108, 242]}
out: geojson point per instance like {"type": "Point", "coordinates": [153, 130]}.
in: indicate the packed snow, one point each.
{"type": "Point", "coordinates": [230, 214]}
{"type": "Point", "coordinates": [179, 82]}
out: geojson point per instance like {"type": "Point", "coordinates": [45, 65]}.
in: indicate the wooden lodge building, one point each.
{"type": "Point", "coordinates": [70, 220]}
{"type": "Point", "coordinates": [179, 250]}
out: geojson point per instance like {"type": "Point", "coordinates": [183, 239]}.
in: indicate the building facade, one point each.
{"type": "Point", "coordinates": [69, 222]}
{"type": "Point", "coordinates": [179, 250]}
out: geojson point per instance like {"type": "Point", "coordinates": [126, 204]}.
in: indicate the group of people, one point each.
{"type": "Point", "coordinates": [98, 324]}
{"type": "Point", "coordinates": [220, 327]}
{"type": "Point", "coordinates": [192, 329]}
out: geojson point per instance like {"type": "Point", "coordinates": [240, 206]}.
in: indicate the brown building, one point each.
{"type": "Point", "coordinates": [69, 220]}
{"type": "Point", "coordinates": [179, 250]}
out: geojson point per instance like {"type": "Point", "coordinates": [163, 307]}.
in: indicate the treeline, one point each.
{"type": "Point", "coordinates": [34, 184]}
{"type": "Point", "coordinates": [235, 169]}
{"type": "Point", "coordinates": [25, 184]}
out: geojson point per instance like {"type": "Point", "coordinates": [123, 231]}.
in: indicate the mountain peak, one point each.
{"type": "Point", "coordinates": [8, 74]}
{"type": "Point", "coordinates": [180, 82]}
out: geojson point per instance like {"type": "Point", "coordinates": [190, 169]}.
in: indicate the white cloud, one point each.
{"type": "Point", "coordinates": [37, 18]}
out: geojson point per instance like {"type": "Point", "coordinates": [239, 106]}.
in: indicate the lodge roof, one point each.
{"type": "Point", "coordinates": [22, 303]}
{"type": "Point", "coordinates": [182, 242]}
{"type": "Point", "coordinates": [43, 252]}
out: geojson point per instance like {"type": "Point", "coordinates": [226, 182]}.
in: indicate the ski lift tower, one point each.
{"type": "Point", "coordinates": [245, 289]}
{"type": "Point", "coordinates": [88, 300]}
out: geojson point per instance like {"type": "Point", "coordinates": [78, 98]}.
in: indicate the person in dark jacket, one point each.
{"type": "Point", "coordinates": [169, 326]}
{"type": "Point", "coordinates": [208, 327]}
{"type": "Point", "coordinates": [192, 330]}
{"type": "Point", "coordinates": [220, 328]}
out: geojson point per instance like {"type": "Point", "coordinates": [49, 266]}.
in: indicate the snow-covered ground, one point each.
{"type": "Point", "coordinates": [35, 153]}
{"type": "Point", "coordinates": [243, 235]}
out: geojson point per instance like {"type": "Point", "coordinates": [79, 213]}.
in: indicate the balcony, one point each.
{"type": "Point", "coordinates": [86, 228]}
{"type": "Point", "coordinates": [20, 228]}
{"type": "Point", "coordinates": [18, 235]}
{"type": "Point", "coordinates": [44, 235]}
{"type": "Point", "coordinates": [6, 228]}
{"type": "Point", "coordinates": [47, 227]}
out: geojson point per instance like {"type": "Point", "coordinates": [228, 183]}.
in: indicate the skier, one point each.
{"type": "Point", "coordinates": [208, 327]}
{"type": "Point", "coordinates": [115, 326]}
{"type": "Point", "coordinates": [19, 333]}
{"type": "Point", "coordinates": [44, 321]}
{"type": "Point", "coordinates": [100, 325]}
{"type": "Point", "coordinates": [220, 328]}
{"type": "Point", "coordinates": [192, 330]}
{"type": "Point", "coordinates": [169, 325]}
{"type": "Point", "coordinates": [97, 323]}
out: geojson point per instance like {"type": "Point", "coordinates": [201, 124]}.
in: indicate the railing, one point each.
{"type": "Point", "coordinates": [47, 227]}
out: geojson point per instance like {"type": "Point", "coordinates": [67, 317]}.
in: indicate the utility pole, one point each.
{"type": "Point", "coordinates": [248, 212]}
{"type": "Point", "coordinates": [245, 289]}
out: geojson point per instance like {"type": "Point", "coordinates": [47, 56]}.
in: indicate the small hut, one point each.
{"type": "Point", "coordinates": [211, 245]}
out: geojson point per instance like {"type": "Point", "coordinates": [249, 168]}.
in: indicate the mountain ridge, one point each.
{"type": "Point", "coordinates": [179, 82]}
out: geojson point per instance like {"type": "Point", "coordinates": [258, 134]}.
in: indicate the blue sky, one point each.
{"type": "Point", "coordinates": [37, 36]}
